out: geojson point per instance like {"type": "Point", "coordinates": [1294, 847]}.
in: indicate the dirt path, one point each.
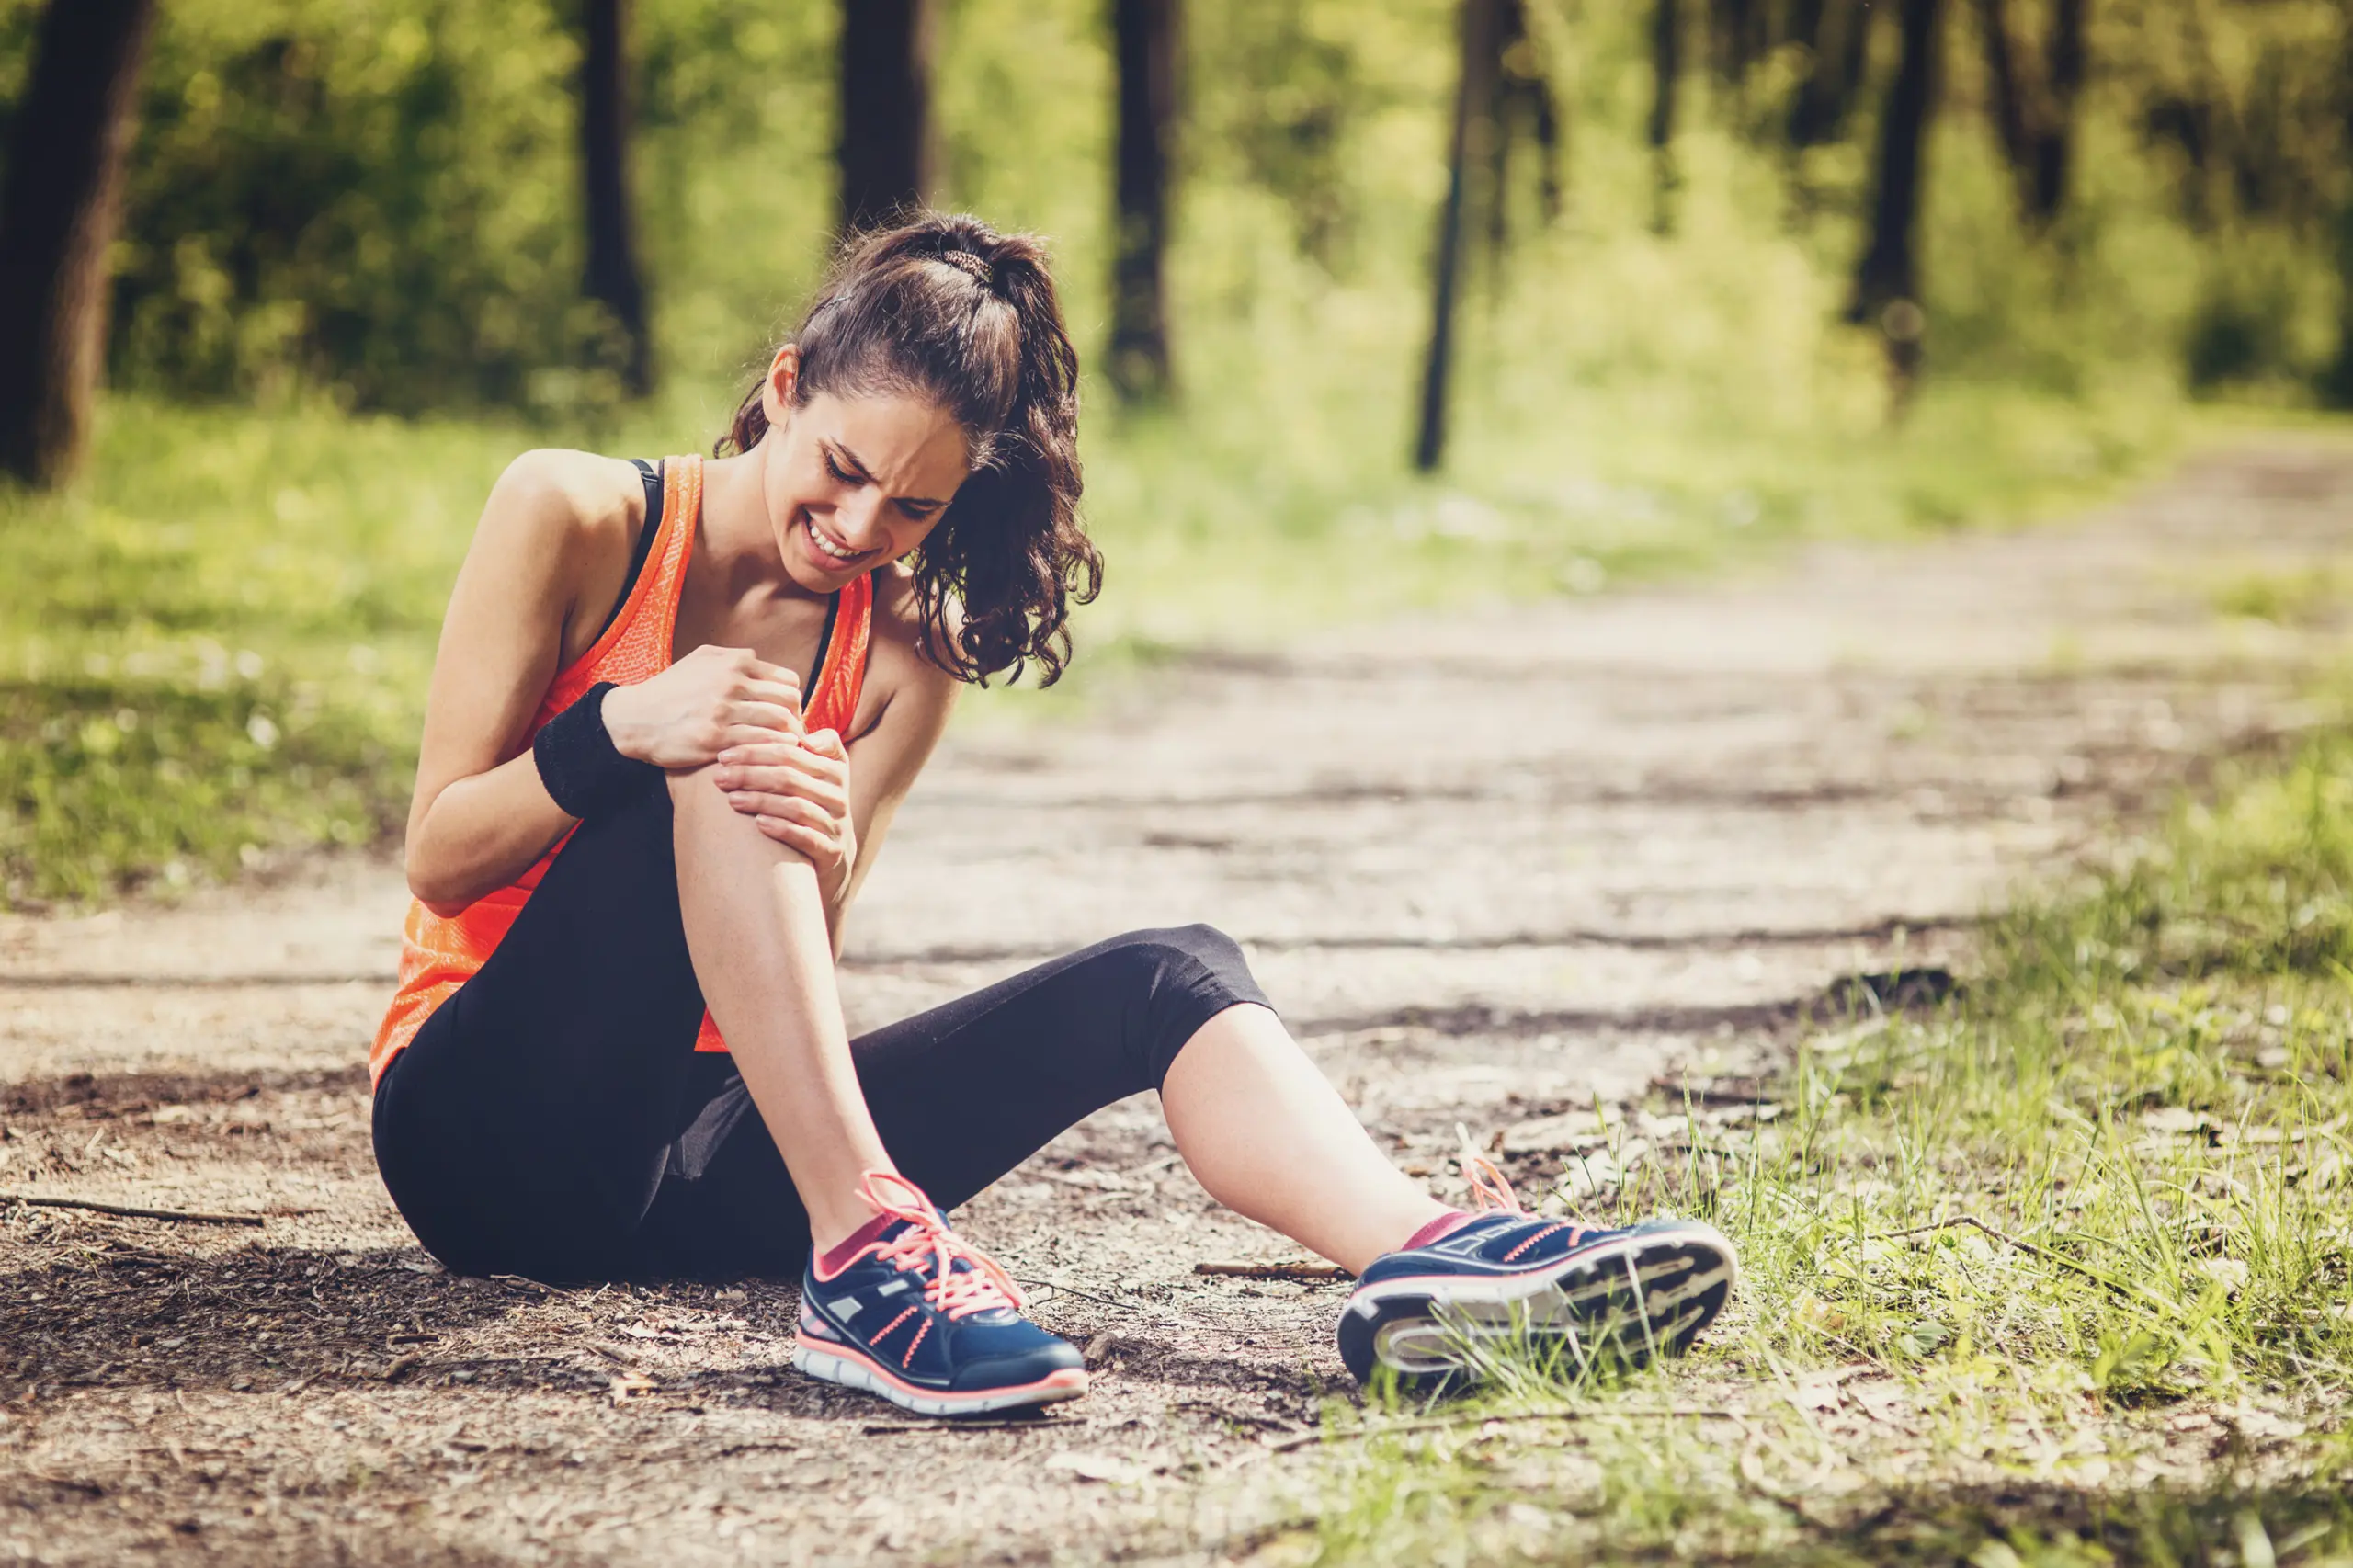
{"type": "Point", "coordinates": [1493, 868]}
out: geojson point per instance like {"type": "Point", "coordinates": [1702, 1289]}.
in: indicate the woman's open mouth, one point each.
{"type": "Point", "coordinates": [841, 554]}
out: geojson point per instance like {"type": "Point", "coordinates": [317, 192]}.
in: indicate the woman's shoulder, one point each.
{"type": "Point", "coordinates": [558, 495]}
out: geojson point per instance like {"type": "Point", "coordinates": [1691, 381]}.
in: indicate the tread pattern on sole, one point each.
{"type": "Point", "coordinates": [1652, 1295]}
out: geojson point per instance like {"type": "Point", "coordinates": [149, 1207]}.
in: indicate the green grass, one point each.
{"type": "Point", "coordinates": [214, 650]}
{"type": "Point", "coordinates": [2061, 1272]}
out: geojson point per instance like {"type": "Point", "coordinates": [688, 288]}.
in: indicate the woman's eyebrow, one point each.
{"type": "Point", "coordinates": [858, 470]}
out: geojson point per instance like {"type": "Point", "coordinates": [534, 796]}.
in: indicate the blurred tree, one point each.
{"type": "Point", "coordinates": [1524, 105]}
{"type": "Point", "coordinates": [1666, 71]}
{"type": "Point", "coordinates": [1278, 93]}
{"type": "Point", "coordinates": [1144, 42]}
{"type": "Point", "coordinates": [612, 275]}
{"type": "Point", "coordinates": [2034, 102]}
{"type": "Point", "coordinates": [1834, 35]}
{"type": "Point", "coordinates": [2336, 379]}
{"type": "Point", "coordinates": [1740, 34]}
{"type": "Point", "coordinates": [57, 225]}
{"type": "Point", "coordinates": [886, 137]}
{"type": "Point", "coordinates": [1480, 30]}
{"type": "Point", "coordinates": [1887, 280]}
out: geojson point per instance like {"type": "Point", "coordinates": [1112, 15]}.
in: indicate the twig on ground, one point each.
{"type": "Point", "coordinates": [1273, 1270]}
{"type": "Point", "coordinates": [1091, 1296]}
{"type": "Point", "coordinates": [127, 1211]}
{"type": "Point", "coordinates": [1676, 1413]}
{"type": "Point", "coordinates": [2060, 1258]}
{"type": "Point", "coordinates": [1250, 1418]}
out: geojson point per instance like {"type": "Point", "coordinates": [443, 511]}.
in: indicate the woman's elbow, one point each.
{"type": "Point", "coordinates": [433, 887]}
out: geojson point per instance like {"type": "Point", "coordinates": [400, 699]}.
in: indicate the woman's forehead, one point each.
{"type": "Point", "coordinates": [903, 442]}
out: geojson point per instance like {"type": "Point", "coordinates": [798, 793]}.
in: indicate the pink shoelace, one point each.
{"type": "Point", "coordinates": [1490, 1189]}
{"type": "Point", "coordinates": [928, 1241]}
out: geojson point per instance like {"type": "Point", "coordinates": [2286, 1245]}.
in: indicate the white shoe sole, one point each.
{"type": "Point", "coordinates": [855, 1372]}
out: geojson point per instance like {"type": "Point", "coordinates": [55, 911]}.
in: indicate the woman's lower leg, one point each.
{"type": "Point", "coordinates": [1268, 1137]}
{"type": "Point", "coordinates": [755, 926]}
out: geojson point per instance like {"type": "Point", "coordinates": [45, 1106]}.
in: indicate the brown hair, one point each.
{"type": "Point", "coordinates": [947, 308]}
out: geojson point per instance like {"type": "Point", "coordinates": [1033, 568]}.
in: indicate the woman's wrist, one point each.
{"type": "Point", "coordinates": [582, 767]}
{"type": "Point", "coordinates": [619, 716]}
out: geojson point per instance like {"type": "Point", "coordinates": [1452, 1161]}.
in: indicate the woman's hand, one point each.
{"type": "Point", "coordinates": [798, 791]}
{"type": "Point", "coordinates": [710, 700]}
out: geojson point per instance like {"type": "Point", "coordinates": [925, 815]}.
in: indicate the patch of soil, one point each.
{"type": "Point", "coordinates": [1572, 875]}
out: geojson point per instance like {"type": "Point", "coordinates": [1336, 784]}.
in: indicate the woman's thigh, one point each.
{"type": "Point", "coordinates": [529, 1122]}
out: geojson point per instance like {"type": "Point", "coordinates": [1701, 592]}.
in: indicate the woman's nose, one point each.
{"type": "Point", "coordinates": [861, 522]}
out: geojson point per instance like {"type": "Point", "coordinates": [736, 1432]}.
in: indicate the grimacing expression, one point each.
{"type": "Point", "coordinates": [852, 482]}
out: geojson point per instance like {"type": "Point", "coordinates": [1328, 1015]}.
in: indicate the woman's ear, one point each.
{"type": "Point", "coordinates": [784, 379]}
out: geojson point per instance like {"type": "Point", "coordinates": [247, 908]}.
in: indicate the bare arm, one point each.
{"type": "Point", "coordinates": [481, 816]}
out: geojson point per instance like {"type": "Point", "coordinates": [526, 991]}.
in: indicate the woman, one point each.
{"type": "Point", "coordinates": [673, 713]}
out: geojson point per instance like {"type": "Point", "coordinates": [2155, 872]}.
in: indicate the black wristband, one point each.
{"type": "Point", "coordinates": [584, 771]}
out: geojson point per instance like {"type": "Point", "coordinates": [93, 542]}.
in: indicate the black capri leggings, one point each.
{"type": "Point", "coordinates": [553, 1117]}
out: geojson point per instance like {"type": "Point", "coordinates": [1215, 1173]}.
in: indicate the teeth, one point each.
{"type": "Point", "coordinates": [828, 546]}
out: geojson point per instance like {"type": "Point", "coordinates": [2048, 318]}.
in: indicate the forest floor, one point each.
{"type": "Point", "coordinates": [1583, 864]}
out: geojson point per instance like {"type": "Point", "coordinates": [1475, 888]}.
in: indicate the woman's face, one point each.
{"type": "Point", "coordinates": [852, 482]}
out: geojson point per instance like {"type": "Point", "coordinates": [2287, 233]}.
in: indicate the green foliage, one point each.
{"type": "Point", "coordinates": [380, 198]}
{"type": "Point", "coordinates": [376, 198]}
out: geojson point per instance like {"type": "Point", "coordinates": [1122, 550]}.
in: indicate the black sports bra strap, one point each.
{"type": "Point", "coordinates": [824, 644]}
{"type": "Point", "coordinates": [651, 474]}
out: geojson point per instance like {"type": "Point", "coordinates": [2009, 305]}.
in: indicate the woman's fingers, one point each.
{"type": "Point", "coordinates": [769, 763]}
{"type": "Point", "coordinates": [819, 848]}
{"type": "Point", "coordinates": [829, 799]}
{"type": "Point", "coordinates": [785, 808]}
{"type": "Point", "coordinates": [782, 717]}
{"type": "Point", "coordinates": [781, 693]}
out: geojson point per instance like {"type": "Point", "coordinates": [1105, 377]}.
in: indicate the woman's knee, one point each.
{"type": "Point", "coordinates": [1170, 981]}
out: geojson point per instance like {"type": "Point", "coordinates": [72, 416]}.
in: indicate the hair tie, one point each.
{"type": "Point", "coordinates": [972, 265]}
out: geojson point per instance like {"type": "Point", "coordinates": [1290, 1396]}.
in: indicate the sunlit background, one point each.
{"type": "Point", "coordinates": [347, 286]}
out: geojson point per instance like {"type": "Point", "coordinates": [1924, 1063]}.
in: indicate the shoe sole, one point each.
{"type": "Point", "coordinates": [1651, 1293]}
{"type": "Point", "coordinates": [839, 1364]}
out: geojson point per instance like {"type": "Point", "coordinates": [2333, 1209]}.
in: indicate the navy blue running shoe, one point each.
{"type": "Point", "coordinates": [1506, 1278]}
{"type": "Point", "coordinates": [922, 1317]}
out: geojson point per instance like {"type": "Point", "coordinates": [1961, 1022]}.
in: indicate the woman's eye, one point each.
{"type": "Point", "coordinates": [836, 470]}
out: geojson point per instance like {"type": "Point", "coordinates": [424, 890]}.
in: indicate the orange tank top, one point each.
{"type": "Point", "coordinates": [439, 953]}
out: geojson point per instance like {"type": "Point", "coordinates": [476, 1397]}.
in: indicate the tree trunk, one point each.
{"type": "Point", "coordinates": [1473, 94]}
{"type": "Point", "coordinates": [612, 275]}
{"type": "Point", "coordinates": [885, 108]}
{"type": "Point", "coordinates": [2055, 136]}
{"type": "Point", "coordinates": [1666, 70]}
{"type": "Point", "coordinates": [2002, 81]}
{"type": "Point", "coordinates": [2337, 380]}
{"type": "Point", "coordinates": [1887, 281]}
{"type": "Point", "coordinates": [1145, 38]}
{"type": "Point", "coordinates": [57, 221]}
{"type": "Point", "coordinates": [1523, 95]}
{"type": "Point", "coordinates": [2034, 103]}
{"type": "Point", "coordinates": [1834, 33]}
